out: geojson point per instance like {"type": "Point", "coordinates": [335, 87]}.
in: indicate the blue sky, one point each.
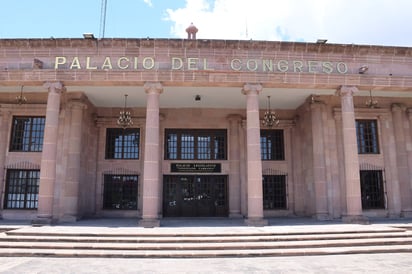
{"type": "Point", "coordinates": [375, 22]}
{"type": "Point", "coordinates": [72, 18]}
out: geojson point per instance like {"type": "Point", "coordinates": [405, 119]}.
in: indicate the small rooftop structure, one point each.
{"type": "Point", "coordinates": [191, 31]}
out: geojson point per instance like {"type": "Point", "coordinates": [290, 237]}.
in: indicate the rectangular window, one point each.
{"type": "Point", "coordinates": [122, 143]}
{"type": "Point", "coordinates": [27, 134]}
{"type": "Point", "coordinates": [187, 143]}
{"type": "Point", "coordinates": [274, 192]}
{"type": "Point", "coordinates": [272, 145]}
{"type": "Point", "coordinates": [372, 189]}
{"type": "Point", "coordinates": [22, 189]}
{"type": "Point", "coordinates": [195, 144]}
{"type": "Point", "coordinates": [203, 147]}
{"type": "Point", "coordinates": [120, 192]}
{"type": "Point", "coordinates": [367, 136]}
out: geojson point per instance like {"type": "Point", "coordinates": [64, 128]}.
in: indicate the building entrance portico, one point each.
{"type": "Point", "coordinates": [197, 145]}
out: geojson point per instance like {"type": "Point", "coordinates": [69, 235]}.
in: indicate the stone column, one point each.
{"type": "Point", "coordinates": [48, 157]}
{"type": "Point", "coordinates": [71, 185]}
{"type": "Point", "coordinates": [100, 155]}
{"type": "Point", "coordinates": [398, 112]}
{"type": "Point", "coordinates": [243, 169]}
{"type": "Point", "coordinates": [4, 132]}
{"type": "Point", "coordinates": [290, 179]}
{"type": "Point", "coordinates": [351, 158]}
{"type": "Point", "coordinates": [297, 167]}
{"type": "Point", "coordinates": [391, 169]}
{"type": "Point", "coordinates": [408, 140]}
{"type": "Point", "coordinates": [319, 163]}
{"type": "Point", "coordinates": [341, 168]}
{"type": "Point", "coordinates": [254, 161]}
{"type": "Point", "coordinates": [234, 162]}
{"type": "Point", "coordinates": [151, 164]}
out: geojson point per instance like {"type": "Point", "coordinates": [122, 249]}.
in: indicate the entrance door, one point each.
{"type": "Point", "coordinates": [195, 195]}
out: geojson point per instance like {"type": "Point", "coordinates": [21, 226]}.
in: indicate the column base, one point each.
{"type": "Point", "coordinates": [322, 217]}
{"type": "Point", "coordinates": [235, 215]}
{"type": "Point", "coordinates": [256, 222]}
{"type": "Point", "coordinates": [149, 223]}
{"type": "Point", "coordinates": [42, 221]}
{"type": "Point", "coordinates": [69, 219]}
{"type": "Point", "coordinates": [393, 215]}
{"type": "Point", "coordinates": [405, 213]}
{"type": "Point", "coordinates": [355, 219]}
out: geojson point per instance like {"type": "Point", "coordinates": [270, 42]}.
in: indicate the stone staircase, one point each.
{"type": "Point", "coordinates": [202, 242]}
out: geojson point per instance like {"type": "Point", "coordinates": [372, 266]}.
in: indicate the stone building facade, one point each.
{"type": "Point", "coordinates": [340, 147]}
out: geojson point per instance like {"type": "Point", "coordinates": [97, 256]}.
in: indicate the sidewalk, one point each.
{"type": "Point", "coordinates": [351, 264]}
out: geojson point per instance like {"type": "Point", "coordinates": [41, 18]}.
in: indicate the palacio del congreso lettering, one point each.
{"type": "Point", "coordinates": [157, 128]}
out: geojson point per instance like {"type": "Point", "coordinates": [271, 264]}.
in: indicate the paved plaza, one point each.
{"type": "Point", "coordinates": [359, 263]}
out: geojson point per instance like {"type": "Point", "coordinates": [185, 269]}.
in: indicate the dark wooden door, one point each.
{"type": "Point", "coordinates": [195, 196]}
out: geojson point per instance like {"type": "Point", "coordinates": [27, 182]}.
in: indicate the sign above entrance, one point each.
{"type": "Point", "coordinates": [157, 63]}
{"type": "Point", "coordinates": [196, 167]}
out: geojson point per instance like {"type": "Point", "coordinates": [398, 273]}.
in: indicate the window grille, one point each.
{"type": "Point", "coordinates": [272, 145]}
{"type": "Point", "coordinates": [195, 144]}
{"type": "Point", "coordinates": [122, 143]}
{"type": "Point", "coordinates": [372, 189]}
{"type": "Point", "coordinates": [274, 192]}
{"type": "Point", "coordinates": [22, 189]}
{"type": "Point", "coordinates": [120, 191]}
{"type": "Point", "coordinates": [367, 136]}
{"type": "Point", "coordinates": [27, 134]}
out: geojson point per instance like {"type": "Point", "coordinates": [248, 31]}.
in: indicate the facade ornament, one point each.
{"type": "Point", "coordinates": [150, 87]}
{"type": "Point", "coordinates": [345, 91]}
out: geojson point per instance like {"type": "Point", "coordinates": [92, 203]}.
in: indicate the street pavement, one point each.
{"type": "Point", "coordinates": [359, 263]}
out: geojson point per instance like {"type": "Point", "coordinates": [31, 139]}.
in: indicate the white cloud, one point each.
{"type": "Point", "coordinates": [148, 2]}
{"type": "Point", "coordinates": [382, 22]}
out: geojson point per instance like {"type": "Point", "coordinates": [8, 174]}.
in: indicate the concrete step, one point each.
{"type": "Point", "coordinates": [209, 245]}
{"type": "Point", "coordinates": [60, 241]}
{"type": "Point", "coordinates": [58, 231]}
{"type": "Point", "coordinates": [43, 237]}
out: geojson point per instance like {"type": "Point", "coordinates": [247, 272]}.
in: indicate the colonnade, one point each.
{"type": "Point", "coordinates": [151, 165]}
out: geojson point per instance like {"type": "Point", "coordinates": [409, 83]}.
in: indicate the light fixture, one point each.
{"type": "Point", "coordinates": [371, 103]}
{"type": "Point", "coordinates": [198, 98]}
{"type": "Point", "coordinates": [125, 119]}
{"type": "Point", "coordinates": [363, 69]}
{"type": "Point", "coordinates": [270, 119]}
{"type": "Point", "coordinates": [20, 98]}
{"type": "Point", "coordinates": [321, 41]}
{"type": "Point", "coordinates": [88, 35]}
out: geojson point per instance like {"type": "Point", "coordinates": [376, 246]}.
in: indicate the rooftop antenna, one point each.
{"type": "Point", "coordinates": [103, 18]}
{"type": "Point", "coordinates": [247, 34]}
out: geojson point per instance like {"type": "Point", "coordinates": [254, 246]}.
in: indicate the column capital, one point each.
{"type": "Point", "coordinates": [384, 116]}
{"type": "Point", "coordinates": [316, 105]}
{"type": "Point", "coordinates": [5, 112]}
{"type": "Point", "coordinates": [347, 90]}
{"type": "Point", "coordinates": [153, 87]}
{"type": "Point", "coordinates": [251, 88]}
{"type": "Point", "coordinates": [76, 104]}
{"type": "Point", "coordinates": [409, 112]}
{"type": "Point", "coordinates": [56, 87]}
{"type": "Point", "coordinates": [234, 117]}
{"type": "Point", "coordinates": [398, 107]}
{"type": "Point", "coordinates": [314, 100]}
{"type": "Point", "coordinates": [296, 118]}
